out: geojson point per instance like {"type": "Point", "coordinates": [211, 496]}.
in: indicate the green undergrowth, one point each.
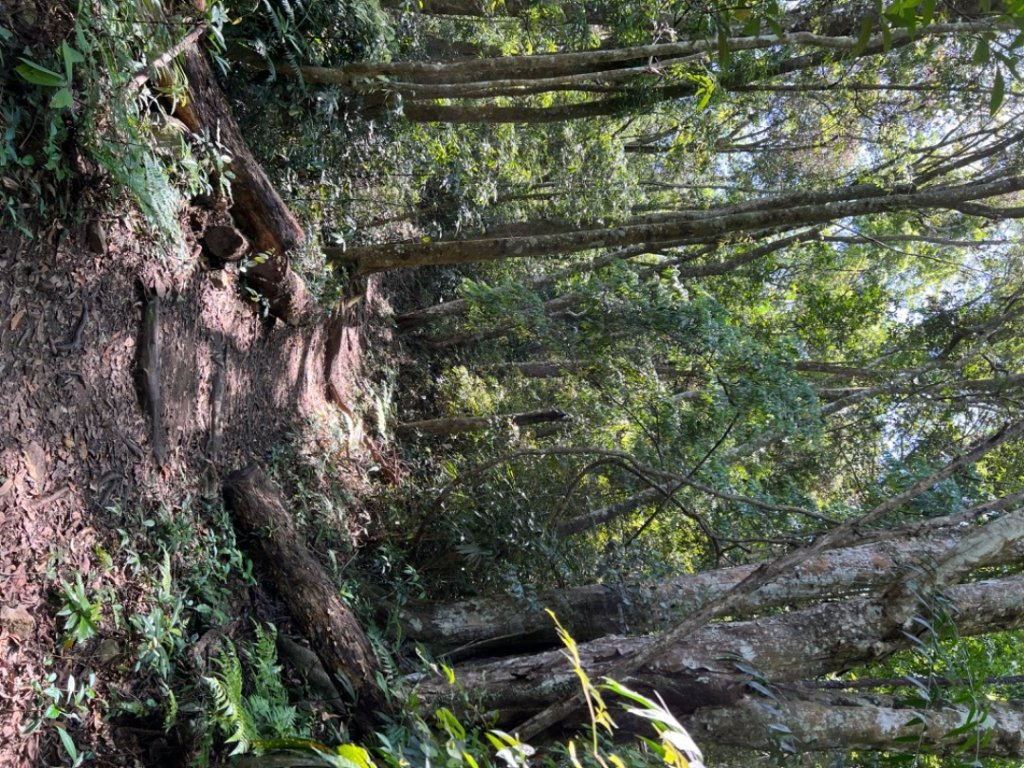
{"type": "Point", "coordinates": [86, 120]}
{"type": "Point", "coordinates": [134, 622]}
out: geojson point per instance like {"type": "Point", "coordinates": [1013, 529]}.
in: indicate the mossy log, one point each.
{"type": "Point", "coordinates": [267, 530]}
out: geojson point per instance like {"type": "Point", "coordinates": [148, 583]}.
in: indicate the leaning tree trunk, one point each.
{"type": "Point", "coordinates": [262, 518]}
{"type": "Point", "coordinates": [707, 669]}
{"type": "Point", "coordinates": [257, 209]}
{"type": "Point", "coordinates": [504, 624]}
{"type": "Point", "coordinates": [783, 212]}
{"type": "Point", "coordinates": [874, 723]}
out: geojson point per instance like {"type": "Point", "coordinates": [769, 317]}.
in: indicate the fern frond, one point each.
{"type": "Point", "coordinates": [230, 713]}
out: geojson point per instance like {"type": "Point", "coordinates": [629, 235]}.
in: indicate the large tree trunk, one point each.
{"type": "Point", "coordinates": [503, 624]}
{"type": "Point", "coordinates": [257, 208]}
{"type": "Point", "coordinates": [264, 522]}
{"type": "Point", "coordinates": [782, 212]}
{"type": "Point", "coordinates": [597, 71]}
{"type": "Point", "coordinates": [553, 65]}
{"type": "Point", "coordinates": [706, 669]}
{"type": "Point", "coordinates": [874, 723]}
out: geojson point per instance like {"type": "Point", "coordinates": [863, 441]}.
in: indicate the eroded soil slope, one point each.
{"type": "Point", "coordinates": [76, 444]}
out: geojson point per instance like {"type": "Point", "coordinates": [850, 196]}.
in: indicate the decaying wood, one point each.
{"type": "Point", "coordinates": [148, 376]}
{"type": "Point", "coordinates": [223, 244]}
{"type": "Point", "coordinates": [258, 210]}
{"type": "Point", "coordinates": [260, 515]}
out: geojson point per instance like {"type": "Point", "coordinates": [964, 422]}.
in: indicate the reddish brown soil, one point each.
{"type": "Point", "coordinates": [74, 438]}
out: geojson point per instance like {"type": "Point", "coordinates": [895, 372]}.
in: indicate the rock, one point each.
{"type": "Point", "coordinates": [96, 237]}
{"type": "Point", "coordinates": [107, 651]}
{"type": "Point", "coordinates": [17, 620]}
{"type": "Point", "coordinates": [223, 244]}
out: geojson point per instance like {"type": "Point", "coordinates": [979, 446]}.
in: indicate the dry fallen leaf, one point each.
{"type": "Point", "coordinates": [35, 462]}
{"type": "Point", "coordinates": [16, 320]}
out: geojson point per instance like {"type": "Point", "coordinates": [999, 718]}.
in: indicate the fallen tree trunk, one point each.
{"type": "Point", "coordinates": [258, 210]}
{"type": "Point", "coordinates": [260, 515]}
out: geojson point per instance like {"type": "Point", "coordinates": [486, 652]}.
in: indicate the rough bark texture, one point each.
{"type": "Point", "coordinates": [851, 723]}
{"type": "Point", "coordinates": [787, 211]}
{"type": "Point", "coordinates": [257, 209]}
{"type": "Point", "coordinates": [261, 517]}
{"type": "Point", "coordinates": [701, 670]}
{"type": "Point", "coordinates": [492, 625]}
{"type": "Point", "coordinates": [577, 62]}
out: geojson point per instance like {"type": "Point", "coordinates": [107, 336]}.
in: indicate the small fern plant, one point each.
{"type": "Point", "coordinates": [264, 712]}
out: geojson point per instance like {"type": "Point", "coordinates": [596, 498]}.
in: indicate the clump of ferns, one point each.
{"type": "Point", "coordinates": [261, 713]}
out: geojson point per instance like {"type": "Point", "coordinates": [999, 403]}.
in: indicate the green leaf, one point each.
{"type": "Point", "coordinates": [61, 99]}
{"type": "Point", "coordinates": [5, 34]}
{"type": "Point", "coordinates": [355, 754]}
{"type": "Point", "coordinates": [982, 54]}
{"type": "Point", "coordinates": [71, 57]}
{"type": "Point", "coordinates": [1010, 62]}
{"type": "Point", "coordinates": [723, 48]}
{"type": "Point", "coordinates": [886, 35]}
{"type": "Point", "coordinates": [867, 24]}
{"type": "Point", "coordinates": [998, 93]}
{"type": "Point", "coordinates": [927, 12]}
{"type": "Point", "coordinates": [36, 74]}
{"type": "Point", "coordinates": [69, 744]}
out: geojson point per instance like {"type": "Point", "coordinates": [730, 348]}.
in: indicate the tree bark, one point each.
{"type": "Point", "coordinates": [504, 624]}
{"type": "Point", "coordinates": [875, 723]}
{"type": "Point", "coordinates": [262, 519]}
{"type": "Point", "coordinates": [778, 213]}
{"type": "Point", "coordinates": [702, 671]}
{"type": "Point", "coordinates": [257, 209]}
{"type": "Point", "coordinates": [599, 60]}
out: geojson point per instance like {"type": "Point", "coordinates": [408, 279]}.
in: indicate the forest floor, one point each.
{"type": "Point", "coordinates": [78, 474]}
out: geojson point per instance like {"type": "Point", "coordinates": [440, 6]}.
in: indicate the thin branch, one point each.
{"type": "Point", "coordinates": [168, 56]}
